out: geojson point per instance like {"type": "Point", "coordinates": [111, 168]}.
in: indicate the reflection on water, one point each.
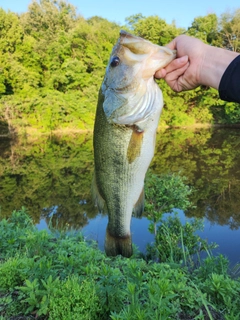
{"type": "Point", "coordinates": [51, 177]}
{"type": "Point", "coordinates": [96, 228]}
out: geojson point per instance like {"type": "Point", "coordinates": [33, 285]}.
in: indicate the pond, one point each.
{"type": "Point", "coordinates": [51, 177]}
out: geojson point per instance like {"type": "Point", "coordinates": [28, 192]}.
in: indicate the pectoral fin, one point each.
{"type": "Point", "coordinates": [135, 145]}
{"type": "Point", "coordinates": [97, 198]}
{"type": "Point", "coordinates": [139, 205]}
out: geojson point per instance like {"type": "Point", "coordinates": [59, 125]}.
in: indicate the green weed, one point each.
{"type": "Point", "coordinates": [57, 275]}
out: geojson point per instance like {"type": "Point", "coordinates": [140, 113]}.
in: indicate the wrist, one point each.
{"type": "Point", "coordinates": [214, 63]}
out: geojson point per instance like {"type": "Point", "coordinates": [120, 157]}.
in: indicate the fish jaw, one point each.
{"type": "Point", "coordinates": [128, 85]}
{"type": "Point", "coordinates": [140, 107]}
{"type": "Point", "coordinates": [152, 57]}
{"type": "Point", "coordinates": [138, 59]}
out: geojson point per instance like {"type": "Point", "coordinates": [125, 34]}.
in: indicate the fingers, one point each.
{"type": "Point", "coordinates": [160, 73]}
{"type": "Point", "coordinates": [175, 79]}
{"type": "Point", "coordinates": [176, 64]}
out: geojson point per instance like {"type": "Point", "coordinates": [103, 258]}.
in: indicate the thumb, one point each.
{"type": "Point", "coordinates": [172, 45]}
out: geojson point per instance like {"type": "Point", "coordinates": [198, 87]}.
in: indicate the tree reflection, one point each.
{"type": "Point", "coordinates": [47, 173]}
{"type": "Point", "coordinates": [51, 177]}
{"type": "Point", "coordinates": [210, 159]}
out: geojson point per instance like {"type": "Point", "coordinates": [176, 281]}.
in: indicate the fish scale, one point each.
{"type": "Point", "coordinates": [124, 135]}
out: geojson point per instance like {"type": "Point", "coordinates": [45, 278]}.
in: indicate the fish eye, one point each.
{"type": "Point", "coordinates": [115, 62]}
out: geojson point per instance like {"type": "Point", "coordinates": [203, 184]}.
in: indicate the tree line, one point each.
{"type": "Point", "coordinates": [53, 60]}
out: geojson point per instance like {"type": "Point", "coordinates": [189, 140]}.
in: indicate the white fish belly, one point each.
{"type": "Point", "coordinates": [140, 167]}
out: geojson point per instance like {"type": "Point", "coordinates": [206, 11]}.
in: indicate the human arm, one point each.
{"type": "Point", "coordinates": [196, 64]}
{"type": "Point", "coordinates": [229, 87]}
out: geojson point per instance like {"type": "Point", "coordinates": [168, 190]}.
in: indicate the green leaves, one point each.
{"type": "Point", "coordinates": [69, 279]}
{"type": "Point", "coordinates": [230, 29]}
{"type": "Point", "coordinates": [11, 31]}
{"type": "Point", "coordinates": [205, 28]}
{"type": "Point", "coordinates": [37, 295]}
{"type": "Point", "coordinates": [164, 194]}
{"type": "Point", "coordinates": [52, 77]}
{"type": "Point", "coordinates": [153, 28]}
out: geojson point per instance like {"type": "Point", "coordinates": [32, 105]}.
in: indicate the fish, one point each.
{"type": "Point", "coordinates": [127, 115]}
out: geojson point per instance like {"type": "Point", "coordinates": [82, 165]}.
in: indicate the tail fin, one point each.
{"type": "Point", "coordinates": [115, 245]}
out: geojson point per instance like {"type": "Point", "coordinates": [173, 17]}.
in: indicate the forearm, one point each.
{"type": "Point", "coordinates": [213, 65]}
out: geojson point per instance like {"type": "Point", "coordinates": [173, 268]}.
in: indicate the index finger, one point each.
{"type": "Point", "coordinates": [176, 64]}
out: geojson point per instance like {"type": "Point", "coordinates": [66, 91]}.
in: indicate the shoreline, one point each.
{"type": "Point", "coordinates": [33, 132]}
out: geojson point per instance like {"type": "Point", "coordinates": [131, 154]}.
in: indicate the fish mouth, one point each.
{"type": "Point", "coordinates": [137, 49]}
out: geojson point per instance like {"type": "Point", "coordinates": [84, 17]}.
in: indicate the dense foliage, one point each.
{"type": "Point", "coordinates": [58, 275]}
{"type": "Point", "coordinates": [53, 60]}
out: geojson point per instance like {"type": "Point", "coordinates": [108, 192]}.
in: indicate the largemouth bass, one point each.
{"type": "Point", "coordinates": [128, 111]}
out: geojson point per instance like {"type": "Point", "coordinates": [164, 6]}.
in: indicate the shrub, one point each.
{"type": "Point", "coordinates": [74, 299]}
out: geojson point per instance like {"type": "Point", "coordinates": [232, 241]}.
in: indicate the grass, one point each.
{"type": "Point", "coordinates": [58, 275]}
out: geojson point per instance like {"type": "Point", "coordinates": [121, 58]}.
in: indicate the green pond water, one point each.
{"type": "Point", "coordinates": [51, 177]}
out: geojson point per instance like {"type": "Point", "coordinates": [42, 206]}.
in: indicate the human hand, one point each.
{"type": "Point", "coordinates": [183, 73]}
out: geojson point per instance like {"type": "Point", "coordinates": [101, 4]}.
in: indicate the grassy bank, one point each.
{"type": "Point", "coordinates": [58, 275]}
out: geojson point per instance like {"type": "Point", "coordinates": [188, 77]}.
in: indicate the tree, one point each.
{"type": "Point", "coordinates": [153, 28]}
{"type": "Point", "coordinates": [53, 62]}
{"type": "Point", "coordinates": [45, 18]}
{"type": "Point", "coordinates": [205, 28]}
{"type": "Point", "coordinates": [133, 20]}
{"type": "Point", "coordinates": [11, 31]}
{"type": "Point", "coordinates": [230, 30]}
{"type": "Point", "coordinates": [18, 60]}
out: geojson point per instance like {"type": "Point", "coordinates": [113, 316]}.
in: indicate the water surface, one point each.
{"type": "Point", "coordinates": [51, 177]}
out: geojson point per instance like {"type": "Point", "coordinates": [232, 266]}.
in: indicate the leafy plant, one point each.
{"type": "Point", "coordinates": [177, 243]}
{"type": "Point", "coordinates": [67, 278]}
{"type": "Point", "coordinates": [164, 194]}
{"type": "Point", "coordinates": [74, 299]}
{"type": "Point", "coordinates": [13, 272]}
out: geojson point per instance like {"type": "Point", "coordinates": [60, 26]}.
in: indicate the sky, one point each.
{"type": "Point", "coordinates": [182, 12]}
